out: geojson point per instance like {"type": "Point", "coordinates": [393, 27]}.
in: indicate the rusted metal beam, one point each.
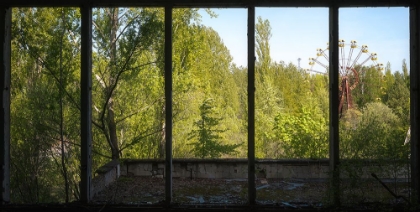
{"type": "Point", "coordinates": [5, 37]}
{"type": "Point", "coordinates": [212, 3]}
{"type": "Point", "coordinates": [251, 106]}
{"type": "Point", "coordinates": [168, 105]}
{"type": "Point", "coordinates": [86, 105]}
{"type": "Point", "coordinates": [414, 101]}
{"type": "Point", "coordinates": [334, 102]}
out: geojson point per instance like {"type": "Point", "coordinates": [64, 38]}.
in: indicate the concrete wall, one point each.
{"type": "Point", "coordinates": [105, 176]}
{"type": "Point", "coordinates": [238, 169]}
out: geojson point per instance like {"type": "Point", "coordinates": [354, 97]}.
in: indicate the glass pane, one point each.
{"type": "Point", "coordinates": [374, 104]}
{"type": "Point", "coordinates": [128, 102]}
{"type": "Point", "coordinates": [210, 106]}
{"type": "Point", "coordinates": [45, 115]}
{"type": "Point", "coordinates": [292, 106]}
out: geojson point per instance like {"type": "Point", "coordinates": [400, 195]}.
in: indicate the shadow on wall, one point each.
{"type": "Point", "coordinates": [104, 176]}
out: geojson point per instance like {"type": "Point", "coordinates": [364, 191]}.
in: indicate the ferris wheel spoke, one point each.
{"type": "Point", "coordinates": [319, 72]}
{"type": "Point", "coordinates": [367, 59]}
{"type": "Point", "coordinates": [357, 58]}
{"type": "Point", "coordinates": [325, 55]}
{"type": "Point", "coordinates": [320, 52]}
{"type": "Point", "coordinates": [321, 64]}
{"type": "Point", "coordinates": [350, 77]}
{"type": "Point", "coordinates": [353, 45]}
{"type": "Point", "coordinates": [343, 69]}
{"type": "Point", "coordinates": [342, 72]}
{"type": "Point", "coordinates": [349, 58]}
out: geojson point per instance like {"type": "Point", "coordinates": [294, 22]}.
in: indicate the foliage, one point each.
{"type": "Point", "coordinates": [128, 110]}
{"type": "Point", "coordinates": [202, 66]}
{"type": "Point", "coordinates": [376, 134]}
{"type": "Point", "coordinates": [45, 105]}
{"type": "Point", "coordinates": [371, 141]}
{"type": "Point", "coordinates": [208, 135]}
{"type": "Point", "coordinates": [304, 135]}
{"type": "Point", "coordinates": [399, 97]}
{"type": "Point", "coordinates": [370, 87]}
{"type": "Point", "coordinates": [128, 52]}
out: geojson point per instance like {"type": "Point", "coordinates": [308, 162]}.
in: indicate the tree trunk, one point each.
{"type": "Point", "coordinates": [162, 142]}
{"type": "Point", "coordinates": [161, 148]}
{"type": "Point", "coordinates": [112, 127]}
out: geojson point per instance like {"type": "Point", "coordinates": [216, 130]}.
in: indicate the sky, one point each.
{"type": "Point", "coordinates": [298, 32]}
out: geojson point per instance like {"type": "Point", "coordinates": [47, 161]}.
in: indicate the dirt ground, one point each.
{"type": "Point", "coordinates": [292, 193]}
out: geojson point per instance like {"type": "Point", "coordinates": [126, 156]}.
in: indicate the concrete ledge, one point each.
{"type": "Point", "coordinates": [267, 168]}
{"type": "Point", "coordinates": [229, 160]}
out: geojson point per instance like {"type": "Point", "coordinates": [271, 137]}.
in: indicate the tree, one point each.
{"type": "Point", "coordinates": [304, 134]}
{"type": "Point", "coordinates": [263, 36]}
{"type": "Point", "coordinates": [45, 101]}
{"type": "Point", "coordinates": [268, 98]}
{"type": "Point", "coordinates": [388, 81]}
{"type": "Point", "coordinates": [207, 134]}
{"type": "Point", "coordinates": [399, 98]}
{"type": "Point", "coordinates": [369, 88]}
{"type": "Point", "coordinates": [378, 134]}
{"type": "Point", "coordinates": [125, 41]}
{"type": "Point", "coordinates": [202, 67]}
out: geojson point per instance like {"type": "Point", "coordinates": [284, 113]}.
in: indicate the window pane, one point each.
{"type": "Point", "coordinates": [45, 115]}
{"type": "Point", "coordinates": [292, 106]}
{"type": "Point", "coordinates": [210, 106]}
{"type": "Point", "coordinates": [375, 103]}
{"type": "Point", "coordinates": [128, 108]}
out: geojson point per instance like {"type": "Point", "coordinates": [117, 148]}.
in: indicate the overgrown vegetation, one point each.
{"type": "Point", "coordinates": [207, 136]}
{"type": "Point", "coordinates": [129, 102]}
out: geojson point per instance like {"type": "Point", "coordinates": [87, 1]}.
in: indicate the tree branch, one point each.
{"type": "Point", "coordinates": [137, 139]}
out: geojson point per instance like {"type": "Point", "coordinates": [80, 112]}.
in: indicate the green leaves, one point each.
{"type": "Point", "coordinates": [128, 94]}
{"type": "Point", "coordinates": [208, 134]}
{"type": "Point", "coordinates": [291, 106]}
{"type": "Point", "coordinates": [377, 133]}
{"type": "Point", "coordinates": [45, 106]}
{"type": "Point", "coordinates": [302, 135]}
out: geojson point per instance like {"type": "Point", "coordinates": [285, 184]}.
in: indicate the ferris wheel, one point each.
{"type": "Point", "coordinates": [353, 61]}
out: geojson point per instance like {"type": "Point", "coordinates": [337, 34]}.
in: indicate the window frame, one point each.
{"type": "Point", "coordinates": [250, 5]}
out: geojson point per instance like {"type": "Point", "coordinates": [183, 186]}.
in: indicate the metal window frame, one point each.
{"type": "Point", "coordinates": [250, 5]}
{"type": "Point", "coordinates": [86, 104]}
